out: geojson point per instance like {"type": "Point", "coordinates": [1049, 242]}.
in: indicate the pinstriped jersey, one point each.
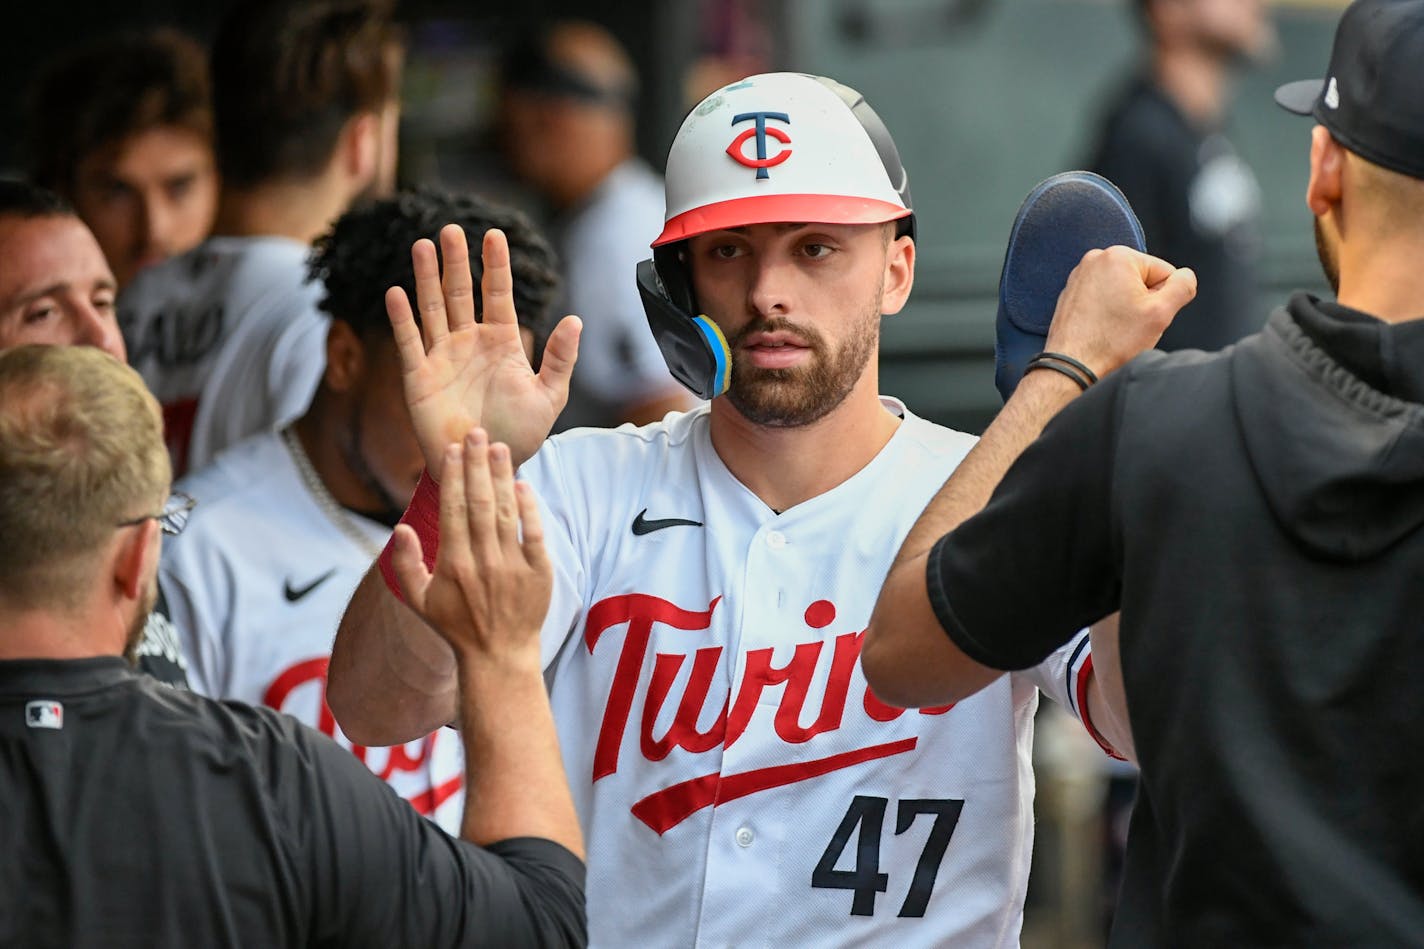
{"type": "Point", "coordinates": [738, 783]}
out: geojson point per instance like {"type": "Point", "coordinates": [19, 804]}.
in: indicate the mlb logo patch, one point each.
{"type": "Point", "coordinates": [44, 714]}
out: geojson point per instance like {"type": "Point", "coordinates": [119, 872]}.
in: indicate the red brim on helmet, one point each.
{"type": "Point", "coordinates": [779, 208]}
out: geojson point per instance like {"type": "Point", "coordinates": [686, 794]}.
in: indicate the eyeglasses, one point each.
{"type": "Point", "coordinates": [174, 516]}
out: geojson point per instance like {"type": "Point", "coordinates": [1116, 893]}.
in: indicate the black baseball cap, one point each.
{"type": "Point", "coordinates": [1372, 98]}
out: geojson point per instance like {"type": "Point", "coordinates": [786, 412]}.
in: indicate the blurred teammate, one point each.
{"type": "Point", "coordinates": [290, 520]}
{"type": "Point", "coordinates": [56, 289]}
{"type": "Point", "coordinates": [1258, 517]}
{"type": "Point", "coordinates": [568, 106]}
{"type": "Point", "coordinates": [714, 571]}
{"type": "Point", "coordinates": [139, 815]}
{"type": "Point", "coordinates": [305, 105]}
{"type": "Point", "coordinates": [1163, 143]}
{"type": "Point", "coordinates": [123, 128]}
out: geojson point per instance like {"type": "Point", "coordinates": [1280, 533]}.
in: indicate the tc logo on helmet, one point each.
{"type": "Point", "coordinates": [761, 163]}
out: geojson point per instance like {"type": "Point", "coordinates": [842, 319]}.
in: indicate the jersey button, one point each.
{"type": "Point", "coordinates": [745, 837]}
{"type": "Point", "coordinates": [776, 540]}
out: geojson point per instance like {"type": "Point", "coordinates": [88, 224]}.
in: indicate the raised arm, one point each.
{"type": "Point", "coordinates": [487, 598]}
{"type": "Point", "coordinates": [392, 679]}
{"type": "Point", "coordinates": [383, 875]}
{"type": "Point", "coordinates": [1116, 304]}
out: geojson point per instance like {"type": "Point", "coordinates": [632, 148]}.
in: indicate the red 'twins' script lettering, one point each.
{"type": "Point", "coordinates": [640, 611]}
{"type": "Point", "coordinates": [314, 670]}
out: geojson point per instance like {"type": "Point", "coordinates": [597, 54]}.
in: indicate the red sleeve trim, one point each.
{"type": "Point", "coordinates": [1085, 674]}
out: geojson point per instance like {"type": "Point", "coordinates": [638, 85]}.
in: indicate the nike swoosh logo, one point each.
{"type": "Point", "coordinates": [641, 525]}
{"type": "Point", "coordinates": [293, 595]}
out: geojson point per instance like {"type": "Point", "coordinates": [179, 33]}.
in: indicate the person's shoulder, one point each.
{"type": "Point", "coordinates": [173, 278]}
{"type": "Point", "coordinates": [267, 267]}
{"type": "Point", "coordinates": [1156, 364]}
{"type": "Point", "coordinates": [934, 439]}
{"type": "Point", "coordinates": [629, 203]}
{"type": "Point", "coordinates": [221, 727]}
{"type": "Point", "coordinates": [613, 455]}
{"type": "Point", "coordinates": [242, 496]}
{"type": "Point", "coordinates": [247, 468]}
{"type": "Point", "coordinates": [1142, 121]}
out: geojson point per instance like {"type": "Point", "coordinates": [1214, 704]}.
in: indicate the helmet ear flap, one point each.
{"type": "Point", "coordinates": [693, 346]}
{"type": "Point", "coordinates": [671, 264]}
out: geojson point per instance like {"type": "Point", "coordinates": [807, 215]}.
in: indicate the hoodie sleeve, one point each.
{"type": "Point", "coordinates": [1040, 561]}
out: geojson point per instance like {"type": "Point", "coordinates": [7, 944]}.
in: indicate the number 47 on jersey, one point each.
{"type": "Point", "coordinates": [866, 880]}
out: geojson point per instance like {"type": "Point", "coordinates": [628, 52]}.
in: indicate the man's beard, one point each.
{"type": "Point", "coordinates": [140, 622]}
{"type": "Point", "coordinates": [353, 453]}
{"type": "Point", "coordinates": [801, 395]}
{"type": "Point", "coordinates": [1328, 261]}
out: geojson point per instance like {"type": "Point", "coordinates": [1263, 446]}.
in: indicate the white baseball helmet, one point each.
{"type": "Point", "coordinates": [779, 147]}
{"type": "Point", "coordinates": [782, 147]}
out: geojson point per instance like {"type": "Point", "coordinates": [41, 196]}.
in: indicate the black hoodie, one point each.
{"type": "Point", "coordinates": [1255, 514]}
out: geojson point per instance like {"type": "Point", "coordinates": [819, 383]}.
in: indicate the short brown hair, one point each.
{"type": "Point", "coordinates": [81, 450]}
{"type": "Point", "coordinates": [288, 74]}
{"type": "Point", "coordinates": [110, 89]}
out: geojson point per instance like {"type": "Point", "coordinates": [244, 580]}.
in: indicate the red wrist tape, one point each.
{"type": "Point", "coordinates": [423, 515]}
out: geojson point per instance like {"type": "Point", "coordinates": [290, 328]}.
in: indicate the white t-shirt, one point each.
{"type": "Point", "coordinates": [229, 339]}
{"type": "Point", "coordinates": [737, 783]}
{"type": "Point", "coordinates": [601, 244]}
{"type": "Point", "coordinates": [257, 583]}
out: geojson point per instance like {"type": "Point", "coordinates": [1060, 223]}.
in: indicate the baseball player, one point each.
{"type": "Point", "coordinates": [289, 521]}
{"type": "Point", "coordinates": [714, 572]}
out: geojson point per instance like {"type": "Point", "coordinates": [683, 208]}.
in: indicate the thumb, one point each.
{"type": "Point", "coordinates": [1177, 290]}
{"type": "Point", "coordinates": [409, 563]}
{"type": "Point", "coordinates": [560, 354]}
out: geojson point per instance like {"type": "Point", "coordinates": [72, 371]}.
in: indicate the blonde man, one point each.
{"type": "Point", "coordinates": [238, 825]}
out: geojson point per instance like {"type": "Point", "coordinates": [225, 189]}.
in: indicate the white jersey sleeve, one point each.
{"type": "Point", "coordinates": [1064, 677]}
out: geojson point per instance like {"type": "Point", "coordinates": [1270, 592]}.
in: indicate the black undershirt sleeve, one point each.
{"type": "Point", "coordinates": [379, 874]}
{"type": "Point", "coordinates": [1014, 582]}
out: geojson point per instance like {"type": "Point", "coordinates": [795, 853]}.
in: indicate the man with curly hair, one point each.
{"type": "Point", "coordinates": [288, 521]}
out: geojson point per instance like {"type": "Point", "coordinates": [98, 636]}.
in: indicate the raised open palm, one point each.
{"type": "Point", "coordinates": [459, 372]}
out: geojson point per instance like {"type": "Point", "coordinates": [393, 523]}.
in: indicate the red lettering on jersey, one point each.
{"type": "Point", "coordinates": [640, 612]}
{"type": "Point", "coordinates": [683, 732]}
{"type": "Point", "coordinates": [669, 807]}
{"type": "Point", "coordinates": [665, 809]}
{"type": "Point", "coordinates": [397, 758]}
{"type": "Point", "coordinates": [797, 675]}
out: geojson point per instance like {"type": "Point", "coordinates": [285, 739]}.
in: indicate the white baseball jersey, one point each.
{"type": "Point", "coordinates": [257, 583]}
{"type": "Point", "coordinates": [229, 339]}
{"type": "Point", "coordinates": [737, 782]}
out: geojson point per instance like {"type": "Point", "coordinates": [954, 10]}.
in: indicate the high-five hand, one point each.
{"type": "Point", "coordinates": [491, 585]}
{"type": "Point", "coordinates": [463, 372]}
{"type": "Point", "coordinates": [1117, 304]}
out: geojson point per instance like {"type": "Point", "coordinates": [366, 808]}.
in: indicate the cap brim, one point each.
{"type": "Point", "coordinates": [1300, 97]}
{"type": "Point", "coordinates": [776, 209]}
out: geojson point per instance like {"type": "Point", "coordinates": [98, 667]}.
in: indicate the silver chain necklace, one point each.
{"type": "Point", "coordinates": [343, 519]}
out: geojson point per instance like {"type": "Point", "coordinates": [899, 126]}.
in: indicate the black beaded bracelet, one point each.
{"type": "Point", "coordinates": [1083, 383]}
{"type": "Point", "coordinates": [1091, 376]}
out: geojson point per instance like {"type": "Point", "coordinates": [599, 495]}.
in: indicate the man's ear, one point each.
{"type": "Point", "coordinates": [135, 558]}
{"type": "Point", "coordinates": [899, 275]}
{"type": "Point", "coordinates": [1327, 172]}
{"type": "Point", "coordinates": [345, 358]}
{"type": "Point", "coordinates": [360, 149]}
